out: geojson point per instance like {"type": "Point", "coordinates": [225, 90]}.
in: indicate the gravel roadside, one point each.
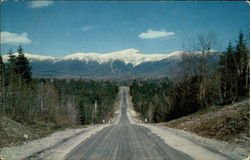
{"type": "Point", "coordinates": [55, 146]}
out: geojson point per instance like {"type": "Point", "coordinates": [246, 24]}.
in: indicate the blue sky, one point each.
{"type": "Point", "coordinates": [59, 28]}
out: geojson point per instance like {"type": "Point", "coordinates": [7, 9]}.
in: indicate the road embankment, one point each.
{"type": "Point", "coordinates": [190, 143]}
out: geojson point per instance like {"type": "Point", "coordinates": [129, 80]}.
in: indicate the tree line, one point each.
{"type": "Point", "coordinates": [197, 87]}
{"type": "Point", "coordinates": [62, 101]}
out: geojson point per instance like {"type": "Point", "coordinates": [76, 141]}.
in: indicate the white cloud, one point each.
{"type": "Point", "coordinates": [151, 34]}
{"type": "Point", "coordinates": [40, 4]}
{"type": "Point", "coordinates": [88, 28]}
{"type": "Point", "coordinates": [248, 2]}
{"type": "Point", "coordinates": [14, 38]}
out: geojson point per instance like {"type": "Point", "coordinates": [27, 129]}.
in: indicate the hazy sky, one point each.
{"type": "Point", "coordinates": [62, 28]}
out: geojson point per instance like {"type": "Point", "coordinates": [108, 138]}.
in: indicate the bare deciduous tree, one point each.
{"type": "Point", "coordinates": [205, 44]}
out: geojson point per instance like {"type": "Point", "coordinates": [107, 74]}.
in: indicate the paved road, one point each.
{"type": "Point", "coordinates": [125, 141]}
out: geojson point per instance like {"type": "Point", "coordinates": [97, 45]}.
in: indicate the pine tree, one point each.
{"type": "Point", "coordinates": [2, 72]}
{"type": "Point", "coordinates": [10, 66]}
{"type": "Point", "coordinates": [242, 66]}
{"type": "Point", "coordinates": [12, 59]}
{"type": "Point", "coordinates": [2, 87]}
{"type": "Point", "coordinates": [10, 83]}
{"type": "Point", "coordinates": [2, 68]}
{"type": "Point", "coordinates": [228, 72]}
{"type": "Point", "coordinates": [22, 66]}
{"type": "Point", "coordinates": [234, 72]}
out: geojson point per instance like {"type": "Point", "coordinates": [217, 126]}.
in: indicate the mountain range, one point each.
{"type": "Point", "coordinates": [125, 63]}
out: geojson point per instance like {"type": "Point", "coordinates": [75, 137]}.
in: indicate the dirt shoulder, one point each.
{"type": "Point", "coordinates": [21, 139]}
{"type": "Point", "coordinates": [45, 140]}
{"type": "Point", "coordinates": [228, 123]}
{"type": "Point", "coordinates": [16, 133]}
{"type": "Point", "coordinates": [55, 146]}
{"type": "Point", "coordinates": [183, 133]}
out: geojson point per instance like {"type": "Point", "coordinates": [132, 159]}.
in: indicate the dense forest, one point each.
{"type": "Point", "coordinates": [196, 88]}
{"type": "Point", "coordinates": [70, 101]}
{"type": "Point", "coordinates": [78, 101]}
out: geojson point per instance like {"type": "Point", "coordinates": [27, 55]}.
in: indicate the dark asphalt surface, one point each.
{"type": "Point", "coordinates": [125, 141]}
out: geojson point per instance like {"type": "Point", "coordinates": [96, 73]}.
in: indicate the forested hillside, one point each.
{"type": "Point", "coordinates": [72, 101]}
{"type": "Point", "coordinates": [150, 99]}
{"type": "Point", "coordinates": [197, 88]}
{"type": "Point", "coordinates": [88, 101]}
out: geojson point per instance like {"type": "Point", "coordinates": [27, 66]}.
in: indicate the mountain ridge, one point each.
{"type": "Point", "coordinates": [128, 56]}
{"type": "Point", "coordinates": [125, 63]}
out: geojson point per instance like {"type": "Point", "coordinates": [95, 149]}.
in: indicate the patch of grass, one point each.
{"type": "Point", "coordinates": [228, 123]}
{"type": "Point", "coordinates": [15, 133]}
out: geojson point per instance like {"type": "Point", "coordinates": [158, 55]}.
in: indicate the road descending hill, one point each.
{"type": "Point", "coordinates": [125, 139]}
{"type": "Point", "coordinates": [130, 140]}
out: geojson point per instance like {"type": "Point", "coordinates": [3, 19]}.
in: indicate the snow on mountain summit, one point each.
{"type": "Point", "coordinates": [31, 57]}
{"type": "Point", "coordinates": [132, 56]}
{"type": "Point", "coordinates": [128, 56]}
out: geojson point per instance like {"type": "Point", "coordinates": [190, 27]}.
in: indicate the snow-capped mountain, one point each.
{"type": "Point", "coordinates": [32, 57]}
{"type": "Point", "coordinates": [128, 56]}
{"type": "Point", "coordinates": [124, 63]}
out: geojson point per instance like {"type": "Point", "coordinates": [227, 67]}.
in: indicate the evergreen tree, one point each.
{"type": "Point", "coordinates": [2, 68]}
{"type": "Point", "coordinates": [228, 73]}
{"type": "Point", "coordinates": [23, 66]}
{"type": "Point", "coordinates": [242, 66]}
{"type": "Point", "coordinates": [10, 83]}
{"type": "Point", "coordinates": [234, 72]}
{"type": "Point", "coordinates": [2, 88]}
{"type": "Point", "coordinates": [11, 60]}
{"type": "Point", "coordinates": [10, 66]}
